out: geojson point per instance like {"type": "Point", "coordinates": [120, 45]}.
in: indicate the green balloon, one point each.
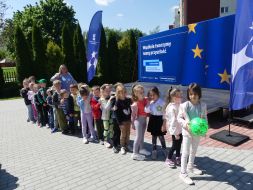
{"type": "Point", "coordinates": [198, 126]}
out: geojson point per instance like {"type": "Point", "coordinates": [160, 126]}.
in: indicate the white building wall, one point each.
{"type": "Point", "coordinates": [177, 18]}
{"type": "Point", "coordinates": [181, 16]}
{"type": "Point", "coordinates": [227, 7]}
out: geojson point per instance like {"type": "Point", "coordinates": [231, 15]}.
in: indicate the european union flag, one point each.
{"type": "Point", "coordinates": [241, 94]}
{"type": "Point", "coordinates": [208, 53]}
{"type": "Point", "coordinates": [195, 54]}
{"type": "Point", "coordinates": [218, 52]}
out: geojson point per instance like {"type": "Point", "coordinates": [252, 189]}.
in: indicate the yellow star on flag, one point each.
{"type": "Point", "coordinates": [191, 28]}
{"type": "Point", "coordinates": [224, 77]}
{"type": "Point", "coordinates": [197, 52]}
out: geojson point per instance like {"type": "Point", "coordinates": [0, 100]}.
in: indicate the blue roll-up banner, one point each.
{"type": "Point", "coordinates": [93, 36]}
{"type": "Point", "coordinates": [200, 52]}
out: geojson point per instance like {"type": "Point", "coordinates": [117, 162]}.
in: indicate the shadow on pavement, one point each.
{"type": "Point", "coordinates": [7, 181]}
{"type": "Point", "coordinates": [231, 174]}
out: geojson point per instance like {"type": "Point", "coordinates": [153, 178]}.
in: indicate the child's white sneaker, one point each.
{"type": "Point", "coordinates": [186, 178]}
{"type": "Point", "coordinates": [107, 145]}
{"type": "Point", "coordinates": [138, 157]}
{"type": "Point", "coordinates": [85, 141]}
{"type": "Point", "coordinates": [123, 150]}
{"type": "Point", "coordinates": [145, 152]}
{"type": "Point", "coordinates": [194, 171]}
{"type": "Point", "coordinates": [101, 142]}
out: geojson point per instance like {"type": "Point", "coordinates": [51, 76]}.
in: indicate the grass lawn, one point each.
{"type": "Point", "coordinates": [9, 69]}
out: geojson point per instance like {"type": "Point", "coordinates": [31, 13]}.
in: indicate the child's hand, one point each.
{"type": "Point", "coordinates": [62, 101]}
{"type": "Point", "coordinates": [67, 117]}
{"type": "Point", "coordinates": [71, 115]}
{"type": "Point", "coordinates": [114, 108]}
{"type": "Point", "coordinates": [177, 137]}
{"type": "Point", "coordinates": [44, 104]}
{"type": "Point", "coordinates": [187, 127]}
{"type": "Point", "coordinates": [163, 128]}
{"type": "Point", "coordinates": [133, 127]}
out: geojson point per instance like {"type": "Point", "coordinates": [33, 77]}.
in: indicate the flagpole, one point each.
{"type": "Point", "coordinates": [229, 120]}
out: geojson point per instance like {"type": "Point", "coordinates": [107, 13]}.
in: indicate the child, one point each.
{"type": "Point", "coordinates": [32, 79]}
{"type": "Point", "coordinates": [116, 129]}
{"type": "Point", "coordinates": [173, 126]}
{"type": "Point", "coordinates": [74, 93]}
{"type": "Point", "coordinates": [83, 101]}
{"type": "Point", "coordinates": [156, 121]}
{"type": "Point", "coordinates": [30, 94]}
{"type": "Point", "coordinates": [123, 116]}
{"type": "Point", "coordinates": [59, 115]}
{"type": "Point", "coordinates": [139, 121]}
{"type": "Point", "coordinates": [24, 94]}
{"type": "Point", "coordinates": [67, 104]}
{"type": "Point", "coordinates": [50, 108]}
{"type": "Point", "coordinates": [189, 110]}
{"type": "Point", "coordinates": [42, 103]}
{"type": "Point", "coordinates": [105, 102]}
{"type": "Point", "coordinates": [97, 113]}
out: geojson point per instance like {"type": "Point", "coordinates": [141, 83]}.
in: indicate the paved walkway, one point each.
{"type": "Point", "coordinates": [32, 158]}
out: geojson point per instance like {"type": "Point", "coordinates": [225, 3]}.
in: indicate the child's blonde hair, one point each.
{"type": "Point", "coordinates": [120, 88]}
{"type": "Point", "coordinates": [135, 89]}
{"type": "Point", "coordinates": [62, 92]}
{"type": "Point", "coordinates": [56, 82]}
{"type": "Point", "coordinates": [102, 89]}
{"type": "Point", "coordinates": [82, 85]}
{"type": "Point", "coordinates": [172, 92]}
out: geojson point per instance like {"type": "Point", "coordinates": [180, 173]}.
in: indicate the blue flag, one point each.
{"type": "Point", "coordinates": [200, 52]}
{"type": "Point", "coordinates": [195, 54]}
{"type": "Point", "coordinates": [94, 35]}
{"type": "Point", "coordinates": [241, 94]}
{"type": "Point", "coordinates": [218, 52]}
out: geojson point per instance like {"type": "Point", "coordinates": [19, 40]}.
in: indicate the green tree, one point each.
{"type": "Point", "coordinates": [3, 8]}
{"type": "Point", "coordinates": [7, 38]}
{"type": "Point", "coordinates": [113, 57]}
{"type": "Point", "coordinates": [2, 54]}
{"type": "Point", "coordinates": [128, 55]}
{"type": "Point", "coordinates": [155, 30]}
{"type": "Point", "coordinates": [125, 58]}
{"type": "Point", "coordinates": [134, 59]}
{"type": "Point", "coordinates": [80, 55]}
{"type": "Point", "coordinates": [68, 49]}
{"type": "Point", "coordinates": [1, 78]}
{"type": "Point", "coordinates": [23, 55]}
{"type": "Point", "coordinates": [39, 53]}
{"type": "Point", "coordinates": [55, 58]}
{"type": "Point", "coordinates": [118, 33]}
{"type": "Point", "coordinates": [102, 66]}
{"type": "Point", "coordinates": [49, 15]}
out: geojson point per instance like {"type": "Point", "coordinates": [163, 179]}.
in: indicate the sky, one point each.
{"type": "Point", "coordinates": [118, 14]}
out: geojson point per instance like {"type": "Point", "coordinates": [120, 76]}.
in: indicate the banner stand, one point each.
{"type": "Point", "coordinates": [229, 137]}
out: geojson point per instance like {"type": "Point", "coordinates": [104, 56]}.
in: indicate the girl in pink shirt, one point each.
{"type": "Point", "coordinates": [139, 121]}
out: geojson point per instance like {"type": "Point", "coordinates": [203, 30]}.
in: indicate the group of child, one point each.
{"type": "Point", "coordinates": [106, 116]}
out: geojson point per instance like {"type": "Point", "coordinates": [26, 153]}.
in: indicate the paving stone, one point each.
{"type": "Point", "coordinates": [33, 158]}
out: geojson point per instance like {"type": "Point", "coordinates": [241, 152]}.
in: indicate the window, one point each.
{"type": "Point", "coordinates": [224, 10]}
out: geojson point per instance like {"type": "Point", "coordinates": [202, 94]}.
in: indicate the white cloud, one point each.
{"type": "Point", "coordinates": [120, 15]}
{"type": "Point", "coordinates": [103, 2]}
